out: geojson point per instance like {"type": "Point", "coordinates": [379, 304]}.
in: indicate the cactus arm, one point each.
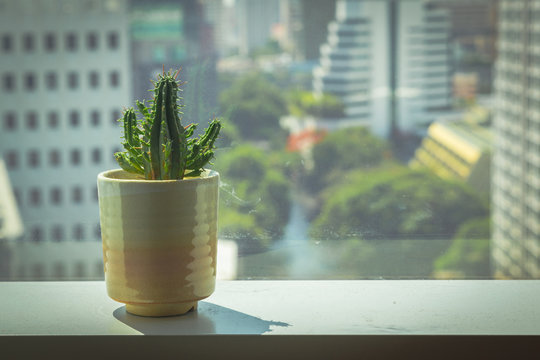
{"type": "Point", "coordinates": [174, 133]}
{"type": "Point", "coordinates": [123, 160]}
{"type": "Point", "coordinates": [155, 133]}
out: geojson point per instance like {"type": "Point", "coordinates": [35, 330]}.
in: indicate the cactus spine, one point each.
{"type": "Point", "coordinates": [158, 146]}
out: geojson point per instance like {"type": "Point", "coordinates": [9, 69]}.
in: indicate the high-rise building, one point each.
{"type": "Point", "coordinates": [256, 19]}
{"type": "Point", "coordinates": [64, 78]}
{"type": "Point", "coordinates": [516, 159]}
{"type": "Point", "coordinates": [306, 23]}
{"type": "Point", "coordinates": [473, 38]}
{"type": "Point", "coordinates": [389, 63]}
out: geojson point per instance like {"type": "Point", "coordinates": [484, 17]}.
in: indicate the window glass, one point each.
{"type": "Point", "coordinates": [29, 43]}
{"type": "Point", "coordinates": [32, 120]}
{"type": "Point", "coordinates": [353, 147]}
{"type": "Point", "coordinates": [71, 41]}
{"type": "Point", "coordinates": [49, 42]}
{"type": "Point", "coordinates": [7, 43]}
{"type": "Point", "coordinates": [30, 81]}
{"type": "Point", "coordinates": [92, 41]}
{"type": "Point", "coordinates": [10, 121]}
{"type": "Point", "coordinates": [8, 82]}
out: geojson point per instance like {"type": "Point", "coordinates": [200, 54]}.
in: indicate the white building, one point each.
{"type": "Point", "coordinates": [256, 19]}
{"type": "Point", "coordinates": [516, 160]}
{"type": "Point", "coordinates": [389, 63]}
{"type": "Point", "coordinates": [64, 79]}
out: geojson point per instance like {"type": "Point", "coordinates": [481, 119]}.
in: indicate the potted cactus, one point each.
{"type": "Point", "coordinates": [158, 213]}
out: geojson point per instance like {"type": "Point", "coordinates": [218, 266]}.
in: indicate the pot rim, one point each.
{"type": "Point", "coordinates": [106, 176]}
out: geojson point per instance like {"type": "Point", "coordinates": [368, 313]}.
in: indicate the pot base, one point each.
{"type": "Point", "coordinates": [157, 310]}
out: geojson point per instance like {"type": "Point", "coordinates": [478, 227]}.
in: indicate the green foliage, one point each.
{"type": "Point", "coordinates": [271, 47]}
{"type": "Point", "coordinates": [302, 103]}
{"type": "Point", "coordinates": [396, 203]}
{"type": "Point", "coordinates": [254, 105]}
{"type": "Point", "coordinates": [158, 147]}
{"type": "Point", "coordinates": [345, 150]}
{"type": "Point", "coordinates": [255, 200]}
{"type": "Point", "coordinates": [468, 256]}
{"type": "Point", "coordinates": [228, 136]}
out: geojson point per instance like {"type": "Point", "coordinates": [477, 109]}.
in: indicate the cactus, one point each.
{"type": "Point", "coordinates": [158, 147]}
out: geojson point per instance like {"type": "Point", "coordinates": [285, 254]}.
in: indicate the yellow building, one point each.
{"type": "Point", "coordinates": [459, 149]}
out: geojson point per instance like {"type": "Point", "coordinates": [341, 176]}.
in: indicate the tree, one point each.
{"type": "Point", "coordinates": [396, 203]}
{"type": "Point", "coordinates": [254, 105]}
{"type": "Point", "coordinates": [254, 201]}
{"type": "Point", "coordinates": [304, 103]}
{"type": "Point", "coordinates": [345, 150]}
{"type": "Point", "coordinates": [468, 256]}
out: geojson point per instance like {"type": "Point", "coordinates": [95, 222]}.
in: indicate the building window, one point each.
{"type": "Point", "coordinates": [29, 43]}
{"type": "Point", "coordinates": [12, 160]}
{"type": "Point", "coordinates": [30, 81]}
{"type": "Point", "coordinates": [36, 234]}
{"type": "Point", "coordinates": [49, 42]}
{"type": "Point", "coordinates": [94, 79]}
{"type": "Point", "coordinates": [95, 118]}
{"type": "Point", "coordinates": [75, 157]}
{"type": "Point", "coordinates": [114, 79]}
{"type": "Point", "coordinates": [96, 156]}
{"type": "Point", "coordinates": [78, 232]}
{"type": "Point", "coordinates": [7, 43]}
{"type": "Point", "coordinates": [57, 233]}
{"type": "Point", "coordinates": [113, 40]}
{"type": "Point", "coordinates": [8, 82]}
{"type": "Point", "coordinates": [51, 80]}
{"type": "Point", "coordinates": [71, 42]}
{"type": "Point", "coordinates": [10, 121]}
{"type": "Point", "coordinates": [56, 196]}
{"type": "Point", "coordinates": [32, 120]}
{"type": "Point", "coordinates": [33, 158]}
{"type": "Point", "coordinates": [76, 195]}
{"type": "Point", "coordinates": [74, 119]}
{"type": "Point", "coordinates": [54, 158]}
{"type": "Point", "coordinates": [52, 119]}
{"type": "Point", "coordinates": [92, 41]}
{"type": "Point", "coordinates": [35, 197]}
{"type": "Point", "coordinates": [115, 117]}
{"type": "Point", "coordinates": [73, 80]}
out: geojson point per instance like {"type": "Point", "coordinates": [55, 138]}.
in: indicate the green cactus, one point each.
{"type": "Point", "coordinates": [158, 146]}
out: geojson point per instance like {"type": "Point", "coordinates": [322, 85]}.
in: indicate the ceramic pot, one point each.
{"type": "Point", "coordinates": [159, 241]}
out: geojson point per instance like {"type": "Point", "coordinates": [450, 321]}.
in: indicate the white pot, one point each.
{"type": "Point", "coordinates": [159, 241]}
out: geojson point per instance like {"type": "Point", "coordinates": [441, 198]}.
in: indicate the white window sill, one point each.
{"type": "Point", "coordinates": [354, 312]}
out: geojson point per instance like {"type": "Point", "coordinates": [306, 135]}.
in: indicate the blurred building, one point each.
{"type": "Point", "coordinates": [256, 19]}
{"type": "Point", "coordinates": [11, 226]}
{"type": "Point", "coordinates": [516, 159]}
{"type": "Point", "coordinates": [173, 34]}
{"type": "Point", "coordinates": [473, 37]}
{"type": "Point", "coordinates": [64, 78]}
{"type": "Point", "coordinates": [465, 87]}
{"type": "Point", "coordinates": [306, 23]}
{"type": "Point", "coordinates": [459, 149]}
{"type": "Point", "coordinates": [389, 63]}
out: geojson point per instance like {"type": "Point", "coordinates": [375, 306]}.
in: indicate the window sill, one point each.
{"type": "Point", "coordinates": [358, 314]}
